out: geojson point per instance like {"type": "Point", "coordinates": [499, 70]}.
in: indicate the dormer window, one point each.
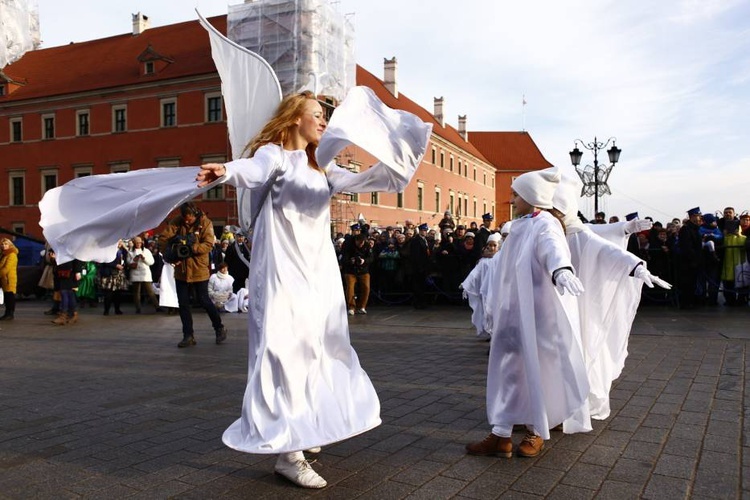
{"type": "Point", "coordinates": [2, 89]}
{"type": "Point", "coordinates": [152, 62]}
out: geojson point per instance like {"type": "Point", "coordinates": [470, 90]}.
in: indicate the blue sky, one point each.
{"type": "Point", "coordinates": [670, 79]}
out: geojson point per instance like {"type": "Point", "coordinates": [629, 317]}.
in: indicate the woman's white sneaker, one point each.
{"type": "Point", "coordinates": [300, 472]}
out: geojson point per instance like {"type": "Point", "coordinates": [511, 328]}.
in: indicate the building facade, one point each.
{"type": "Point", "coordinates": [152, 98]}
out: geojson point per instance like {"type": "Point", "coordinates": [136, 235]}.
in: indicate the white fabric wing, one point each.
{"type": "Point", "coordinates": [251, 94]}
{"type": "Point", "coordinates": [398, 139]}
{"type": "Point", "coordinates": [86, 217]}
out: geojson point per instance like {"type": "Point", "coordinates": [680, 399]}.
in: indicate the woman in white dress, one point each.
{"type": "Point", "coordinates": [305, 385]}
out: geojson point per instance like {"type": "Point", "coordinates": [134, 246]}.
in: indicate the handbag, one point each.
{"type": "Point", "coordinates": [47, 279]}
{"type": "Point", "coordinates": [742, 275]}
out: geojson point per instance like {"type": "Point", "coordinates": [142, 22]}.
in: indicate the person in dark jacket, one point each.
{"type": "Point", "coordinates": [691, 258]}
{"type": "Point", "coordinates": [189, 254]}
{"type": "Point", "coordinates": [356, 266]}
{"type": "Point", "coordinates": [419, 254]}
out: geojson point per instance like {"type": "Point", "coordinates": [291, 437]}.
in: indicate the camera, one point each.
{"type": "Point", "coordinates": [180, 247]}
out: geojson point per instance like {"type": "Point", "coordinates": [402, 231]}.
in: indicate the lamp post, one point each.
{"type": "Point", "coordinates": [595, 177]}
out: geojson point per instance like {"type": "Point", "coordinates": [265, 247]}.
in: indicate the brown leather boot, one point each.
{"type": "Point", "coordinates": [531, 446]}
{"type": "Point", "coordinates": [73, 319]}
{"type": "Point", "coordinates": [492, 446]}
{"type": "Point", "coordinates": [62, 319]}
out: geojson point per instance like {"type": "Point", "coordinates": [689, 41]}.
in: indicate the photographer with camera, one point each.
{"type": "Point", "coordinates": [186, 244]}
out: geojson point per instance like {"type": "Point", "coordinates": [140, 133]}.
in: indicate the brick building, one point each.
{"type": "Point", "coordinates": [152, 98]}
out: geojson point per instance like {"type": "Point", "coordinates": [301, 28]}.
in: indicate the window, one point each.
{"type": "Point", "coordinates": [484, 181]}
{"type": "Point", "coordinates": [82, 119]}
{"type": "Point", "coordinates": [493, 182]}
{"type": "Point", "coordinates": [17, 188]}
{"type": "Point", "coordinates": [373, 198]}
{"type": "Point", "coordinates": [452, 201]}
{"type": "Point", "coordinates": [170, 163]}
{"type": "Point", "coordinates": [475, 207]}
{"type": "Point", "coordinates": [442, 160]}
{"type": "Point", "coordinates": [466, 205]}
{"type": "Point", "coordinates": [433, 156]}
{"type": "Point", "coordinates": [16, 130]}
{"type": "Point", "coordinates": [400, 200]}
{"type": "Point", "coordinates": [119, 167]}
{"type": "Point", "coordinates": [168, 112]}
{"type": "Point", "coordinates": [48, 126]}
{"type": "Point", "coordinates": [19, 227]}
{"type": "Point", "coordinates": [484, 207]}
{"type": "Point", "coordinates": [213, 108]}
{"type": "Point", "coordinates": [215, 193]}
{"type": "Point", "coordinates": [82, 171]}
{"type": "Point", "coordinates": [451, 163]}
{"type": "Point", "coordinates": [119, 118]}
{"type": "Point", "coordinates": [218, 192]}
{"type": "Point", "coordinates": [475, 174]}
{"type": "Point", "coordinates": [420, 196]}
{"type": "Point", "coordinates": [49, 180]}
{"type": "Point", "coordinates": [148, 68]}
{"type": "Point", "coordinates": [437, 201]}
{"type": "Point", "coordinates": [2, 89]}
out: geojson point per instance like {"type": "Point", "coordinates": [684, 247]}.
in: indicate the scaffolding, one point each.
{"type": "Point", "coordinates": [308, 43]}
{"type": "Point", "coordinates": [19, 29]}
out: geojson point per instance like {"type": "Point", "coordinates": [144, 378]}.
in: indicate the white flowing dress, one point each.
{"type": "Point", "coordinates": [305, 385]}
{"type": "Point", "coordinates": [473, 287]}
{"type": "Point", "coordinates": [536, 373]}
{"type": "Point", "coordinates": [607, 309]}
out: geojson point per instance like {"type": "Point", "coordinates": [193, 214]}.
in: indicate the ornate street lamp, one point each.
{"type": "Point", "coordinates": [595, 177]}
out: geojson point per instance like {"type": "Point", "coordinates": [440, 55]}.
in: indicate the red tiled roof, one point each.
{"type": "Point", "coordinates": [510, 150]}
{"type": "Point", "coordinates": [113, 61]}
{"type": "Point", "coordinates": [402, 102]}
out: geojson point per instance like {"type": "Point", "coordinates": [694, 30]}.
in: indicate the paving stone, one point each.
{"type": "Point", "coordinates": [439, 487]}
{"type": "Point", "coordinates": [660, 487]}
{"type": "Point", "coordinates": [631, 471]}
{"type": "Point", "coordinates": [642, 450]}
{"type": "Point", "coordinates": [616, 490]}
{"type": "Point", "coordinates": [675, 466]}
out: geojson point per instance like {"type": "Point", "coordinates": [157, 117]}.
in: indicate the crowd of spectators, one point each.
{"type": "Point", "coordinates": [136, 273]}
{"type": "Point", "coordinates": [703, 255]}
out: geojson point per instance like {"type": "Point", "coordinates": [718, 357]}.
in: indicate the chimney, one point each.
{"type": "Point", "coordinates": [462, 127]}
{"type": "Point", "coordinates": [140, 23]}
{"type": "Point", "coordinates": [390, 76]}
{"type": "Point", "coordinates": [439, 110]}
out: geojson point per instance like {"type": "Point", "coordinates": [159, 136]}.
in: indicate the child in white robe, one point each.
{"type": "Point", "coordinates": [536, 374]}
{"type": "Point", "coordinates": [476, 282]}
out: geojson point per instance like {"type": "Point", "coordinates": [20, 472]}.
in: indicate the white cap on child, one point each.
{"type": "Point", "coordinates": [537, 188]}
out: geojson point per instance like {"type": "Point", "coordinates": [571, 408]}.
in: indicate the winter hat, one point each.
{"type": "Point", "coordinates": [537, 188]}
{"type": "Point", "coordinates": [496, 237]}
{"type": "Point", "coordinates": [566, 199]}
{"type": "Point", "coordinates": [506, 228]}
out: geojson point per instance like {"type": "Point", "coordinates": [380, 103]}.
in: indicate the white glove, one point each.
{"type": "Point", "coordinates": [637, 225]}
{"type": "Point", "coordinates": [649, 279]}
{"type": "Point", "coordinates": [566, 281]}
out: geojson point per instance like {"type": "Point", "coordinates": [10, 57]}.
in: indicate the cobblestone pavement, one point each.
{"type": "Point", "coordinates": [110, 408]}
